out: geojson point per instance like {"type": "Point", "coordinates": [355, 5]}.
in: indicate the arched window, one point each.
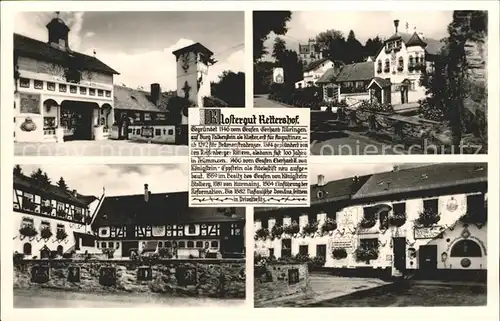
{"type": "Point", "coordinates": [182, 244]}
{"type": "Point", "coordinates": [199, 244]}
{"type": "Point", "coordinates": [411, 61]}
{"type": "Point", "coordinates": [387, 66]}
{"type": "Point", "coordinates": [214, 244]}
{"type": "Point", "coordinates": [60, 250]}
{"type": "Point", "coordinates": [190, 244]}
{"type": "Point", "coordinates": [466, 248]}
{"type": "Point", "coordinates": [27, 249]}
{"type": "Point", "coordinates": [379, 66]}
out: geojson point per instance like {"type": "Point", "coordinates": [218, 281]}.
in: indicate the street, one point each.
{"type": "Point", "coordinates": [331, 141]}
{"type": "Point", "coordinates": [99, 148]}
{"type": "Point", "coordinates": [46, 298]}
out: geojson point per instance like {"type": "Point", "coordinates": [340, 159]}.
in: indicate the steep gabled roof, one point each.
{"type": "Point", "coordinates": [337, 190]}
{"type": "Point", "coordinates": [139, 100]}
{"type": "Point", "coordinates": [32, 48]}
{"type": "Point", "coordinates": [357, 72]}
{"type": "Point", "coordinates": [329, 76]}
{"type": "Point", "coordinates": [160, 209]}
{"type": "Point", "coordinates": [423, 178]}
{"type": "Point", "coordinates": [28, 184]}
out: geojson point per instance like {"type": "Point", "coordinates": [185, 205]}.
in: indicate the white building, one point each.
{"type": "Point", "coordinates": [428, 219]}
{"type": "Point", "coordinates": [313, 72]}
{"type": "Point", "coordinates": [47, 218]}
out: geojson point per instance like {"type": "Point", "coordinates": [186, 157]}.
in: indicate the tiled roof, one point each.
{"type": "Point", "coordinates": [329, 76]}
{"type": "Point", "coordinates": [337, 190]}
{"type": "Point", "coordinates": [196, 47]}
{"type": "Point", "coordinates": [403, 35]}
{"type": "Point", "coordinates": [315, 64]}
{"type": "Point", "coordinates": [423, 178]}
{"type": "Point", "coordinates": [357, 72]}
{"type": "Point", "coordinates": [28, 184]}
{"type": "Point", "coordinates": [32, 48]}
{"type": "Point", "coordinates": [162, 208]}
{"type": "Point", "coordinates": [381, 82]}
{"type": "Point", "coordinates": [139, 100]}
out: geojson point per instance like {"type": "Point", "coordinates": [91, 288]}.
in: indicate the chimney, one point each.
{"type": "Point", "coordinates": [155, 93]}
{"type": "Point", "coordinates": [321, 180]}
{"type": "Point", "coordinates": [75, 194]}
{"type": "Point", "coordinates": [396, 25]}
{"type": "Point", "coordinates": [146, 193]}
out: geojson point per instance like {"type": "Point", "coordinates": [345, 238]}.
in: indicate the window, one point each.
{"type": "Point", "coordinates": [27, 249]}
{"type": "Point", "coordinates": [72, 89]}
{"type": "Point", "coordinates": [304, 250]}
{"type": "Point", "coordinates": [60, 227]}
{"type": "Point", "coordinates": [190, 244]}
{"type": "Point", "coordinates": [411, 61]}
{"type": "Point", "coordinates": [108, 93]}
{"type": "Point", "coordinates": [24, 82]}
{"type": "Point", "coordinates": [157, 131]}
{"type": "Point", "coordinates": [147, 116]}
{"type": "Point", "coordinates": [182, 244]}
{"type": "Point", "coordinates": [60, 250]}
{"type": "Point", "coordinates": [83, 90]}
{"type": "Point", "coordinates": [137, 116]}
{"type": "Point", "coordinates": [168, 244]}
{"type": "Point", "coordinates": [103, 245]}
{"type": "Point", "coordinates": [160, 244]}
{"type": "Point", "coordinates": [91, 92]}
{"type": "Point", "coordinates": [271, 252]}
{"type": "Point", "coordinates": [100, 93]}
{"type": "Point", "coordinates": [400, 63]}
{"type": "Point", "coordinates": [329, 92]}
{"type": "Point", "coordinates": [38, 84]}
{"type": "Point", "coordinates": [63, 88]}
{"type": "Point", "coordinates": [466, 248]}
{"type": "Point", "coordinates": [214, 244]}
{"type": "Point", "coordinates": [264, 223]}
{"type": "Point", "coordinates": [199, 244]}
{"type": "Point", "coordinates": [170, 132]}
{"type": "Point", "coordinates": [321, 250]}
{"type": "Point", "coordinates": [312, 217]}
{"type": "Point", "coordinates": [369, 213]}
{"type": "Point", "coordinates": [191, 229]}
{"type": "Point", "coordinates": [279, 221]}
{"type": "Point", "coordinates": [379, 66]}
{"type": "Point", "coordinates": [51, 86]}
{"type": "Point", "coordinates": [27, 222]}
{"type": "Point", "coordinates": [417, 60]}
{"type": "Point", "coordinates": [111, 245]}
{"type": "Point", "coordinates": [368, 244]}
{"type": "Point", "coordinates": [160, 117]}
{"type": "Point", "coordinates": [44, 225]}
{"type": "Point", "coordinates": [431, 205]}
{"type": "Point", "coordinates": [399, 208]}
{"type": "Point", "coordinates": [286, 248]}
{"type": "Point", "coordinates": [387, 66]}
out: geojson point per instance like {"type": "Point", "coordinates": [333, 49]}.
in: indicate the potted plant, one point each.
{"type": "Point", "coordinates": [329, 225]}
{"type": "Point", "coordinates": [28, 231]}
{"type": "Point", "coordinates": [262, 233]}
{"type": "Point", "coordinates": [277, 231]}
{"type": "Point", "coordinates": [339, 253]}
{"type": "Point", "coordinates": [428, 217]}
{"type": "Point", "coordinates": [292, 228]}
{"type": "Point", "coordinates": [310, 228]}
{"type": "Point", "coordinates": [61, 235]}
{"type": "Point", "coordinates": [46, 233]}
{"type": "Point", "coordinates": [397, 219]}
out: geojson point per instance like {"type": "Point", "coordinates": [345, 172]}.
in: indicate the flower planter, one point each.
{"type": "Point", "coordinates": [28, 231]}
{"type": "Point", "coordinates": [291, 229]}
{"type": "Point", "coordinates": [262, 233]}
{"type": "Point", "coordinates": [61, 235]}
{"type": "Point", "coordinates": [366, 224]}
{"type": "Point", "coordinates": [428, 218]}
{"type": "Point", "coordinates": [339, 254]}
{"type": "Point", "coordinates": [397, 220]}
{"type": "Point", "coordinates": [277, 231]}
{"type": "Point", "coordinates": [329, 226]}
{"type": "Point", "coordinates": [46, 233]}
{"type": "Point", "coordinates": [366, 255]}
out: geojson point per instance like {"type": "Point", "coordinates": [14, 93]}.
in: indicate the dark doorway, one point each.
{"type": "Point", "coordinates": [427, 259]}
{"type": "Point", "coordinates": [123, 125]}
{"type": "Point", "coordinates": [60, 250]}
{"type": "Point", "coordinates": [76, 120]}
{"type": "Point", "coordinates": [321, 250]}
{"type": "Point", "coordinates": [399, 252]}
{"type": "Point", "coordinates": [231, 242]}
{"type": "Point", "coordinates": [128, 246]}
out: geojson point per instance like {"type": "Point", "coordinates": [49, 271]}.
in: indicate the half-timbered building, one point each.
{"type": "Point", "coordinates": [48, 219]}
{"type": "Point", "coordinates": [152, 221]}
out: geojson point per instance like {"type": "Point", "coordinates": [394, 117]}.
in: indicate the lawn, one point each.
{"type": "Point", "coordinates": [414, 296]}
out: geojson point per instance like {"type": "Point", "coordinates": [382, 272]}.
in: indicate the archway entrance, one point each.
{"type": "Point", "coordinates": [76, 120]}
{"type": "Point", "coordinates": [405, 85]}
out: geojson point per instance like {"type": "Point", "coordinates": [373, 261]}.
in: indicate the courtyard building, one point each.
{"type": "Point", "coordinates": [60, 94]}
{"type": "Point", "coordinates": [49, 220]}
{"type": "Point", "coordinates": [163, 223]}
{"type": "Point", "coordinates": [428, 220]}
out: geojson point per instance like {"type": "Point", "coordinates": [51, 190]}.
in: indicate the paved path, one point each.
{"type": "Point", "coordinates": [263, 102]}
{"type": "Point", "coordinates": [99, 148]}
{"type": "Point", "coordinates": [46, 298]}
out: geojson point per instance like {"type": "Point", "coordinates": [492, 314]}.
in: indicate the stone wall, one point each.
{"type": "Point", "coordinates": [205, 278]}
{"type": "Point", "coordinates": [276, 280]}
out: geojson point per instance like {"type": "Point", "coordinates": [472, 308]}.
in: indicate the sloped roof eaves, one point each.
{"type": "Point", "coordinates": [132, 99]}
{"type": "Point", "coordinates": [32, 48]}
{"type": "Point", "coordinates": [409, 180]}
{"type": "Point", "coordinates": [328, 77]}
{"type": "Point", "coordinates": [357, 72]}
{"type": "Point", "coordinates": [313, 65]}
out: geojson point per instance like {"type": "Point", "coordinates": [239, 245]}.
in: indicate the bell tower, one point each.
{"type": "Point", "coordinates": [193, 62]}
{"type": "Point", "coordinates": [58, 33]}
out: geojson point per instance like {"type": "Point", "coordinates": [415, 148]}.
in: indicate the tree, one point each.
{"type": "Point", "coordinates": [372, 46]}
{"type": "Point", "coordinates": [41, 177]}
{"type": "Point", "coordinates": [62, 184]}
{"type": "Point", "coordinates": [265, 22]}
{"type": "Point", "coordinates": [354, 48]}
{"type": "Point", "coordinates": [333, 45]}
{"type": "Point", "coordinates": [230, 88]}
{"type": "Point", "coordinates": [279, 48]}
{"type": "Point", "coordinates": [18, 171]}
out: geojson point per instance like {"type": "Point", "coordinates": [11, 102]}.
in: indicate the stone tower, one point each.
{"type": "Point", "coordinates": [193, 62]}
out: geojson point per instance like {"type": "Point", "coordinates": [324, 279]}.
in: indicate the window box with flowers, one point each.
{"type": "Point", "coordinates": [339, 253]}
{"type": "Point", "coordinates": [61, 213]}
{"type": "Point", "coordinates": [428, 217]}
{"type": "Point", "coordinates": [277, 231]}
{"type": "Point", "coordinates": [61, 235]}
{"type": "Point", "coordinates": [292, 228]}
{"type": "Point", "coordinates": [366, 254]}
{"type": "Point", "coordinates": [397, 219]}
{"type": "Point", "coordinates": [46, 233]}
{"type": "Point", "coordinates": [367, 223]}
{"type": "Point", "coordinates": [262, 233]}
{"type": "Point", "coordinates": [400, 68]}
{"type": "Point", "coordinates": [310, 228]}
{"type": "Point", "coordinates": [328, 226]}
{"type": "Point", "coordinates": [28, 231]}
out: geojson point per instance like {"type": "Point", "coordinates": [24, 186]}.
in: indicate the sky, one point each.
{"type": "Point", "coordinates": [139, 45]}
{"type": "Point", "coordinates": [335, 171]}
{"type": "Point", "coordinates": [365, 24]}
{"type": "Point", "coordinates": [117, 180]}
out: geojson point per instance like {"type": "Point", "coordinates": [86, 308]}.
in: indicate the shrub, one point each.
{"type": "Point", "coordinates": [165, 252]}
{"type": "Point", "coordinates": [210, 101]}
